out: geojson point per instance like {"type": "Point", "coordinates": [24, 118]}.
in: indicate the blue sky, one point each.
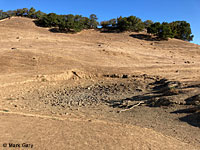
{"type": "Point", "coordinates": [156, 10]}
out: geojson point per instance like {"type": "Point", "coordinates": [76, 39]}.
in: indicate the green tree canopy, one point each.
{"type": "Point", "coordinates": [131, 23]}
{"type": "Point", "coordinates": [164, 31]}
{"type": "Point", "coordinates": [75, 23]}
{"type": "Point", "coordinates": [178, 29]}
{"type": "Point", "coordinates": [112, 23]}
{"type": "Point", "coordinates": [182, 30]}
{"type": "Point", "coordinates": [39, 14]}
{"type": "Point", "coordinates": [154, 28]}
{"type": "Point", "coordinates": [31, 12]}
{"type": "Point", "coordinates": [93, 21]}
{"type": "Point", "coordinates": [148, 23]}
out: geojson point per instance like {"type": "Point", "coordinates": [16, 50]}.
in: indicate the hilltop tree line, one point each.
{"type": "Point", "coordinates": [68, 23]}
{"type": "Point", "coordinates": [64, 23]}
{"type": "Point", "coordinates": [75, 23]}
{"type": "Point", "coordinates": [177, 29]}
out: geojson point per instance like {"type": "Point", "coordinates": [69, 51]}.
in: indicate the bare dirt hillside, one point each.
{"type": "Point", "coordinates": [94, 90]}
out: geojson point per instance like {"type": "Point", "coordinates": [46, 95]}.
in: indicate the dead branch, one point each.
{"type": "Point", "coordinates": [138, 104]}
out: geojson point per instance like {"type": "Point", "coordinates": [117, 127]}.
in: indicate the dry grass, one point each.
{"type": "Point", "coordinates": [29, 52]}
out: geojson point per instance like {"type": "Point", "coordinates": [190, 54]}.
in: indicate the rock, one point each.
{"type": "Point", "coordinates": [187, 62]}
{"type": "Point", "coordinates": [139, 90]}
{"type": "Point", "coordinates": [124, 76]}
{"type": "Point", "coordinates": [170, 92]}
{"type": "Point", "coordinates": [173, 84]}
{"type": "Point", "coordinates": [160, 102]}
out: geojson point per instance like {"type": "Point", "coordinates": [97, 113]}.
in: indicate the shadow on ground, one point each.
{"type": "Point", "coordinates": [56, 30]}
{"type": "Point", "coordinates": [109, 31]}
{"type": "Point", "coordinates": [144, 37]}
{"type": "Point", "coordinates": [123, 103]}
{"type": "Point", "coordinates": [53, 30]}
{"type": "Point", "coordinates": [192, 117]}
{"type": "Point", "coordinates": [159, 95]}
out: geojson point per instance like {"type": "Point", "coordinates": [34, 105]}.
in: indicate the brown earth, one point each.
{"type": "Point", "coordinates": [94, 90]}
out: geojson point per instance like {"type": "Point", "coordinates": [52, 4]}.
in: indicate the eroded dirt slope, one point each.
{"type": "Point", "coordinates": [94, 90]}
